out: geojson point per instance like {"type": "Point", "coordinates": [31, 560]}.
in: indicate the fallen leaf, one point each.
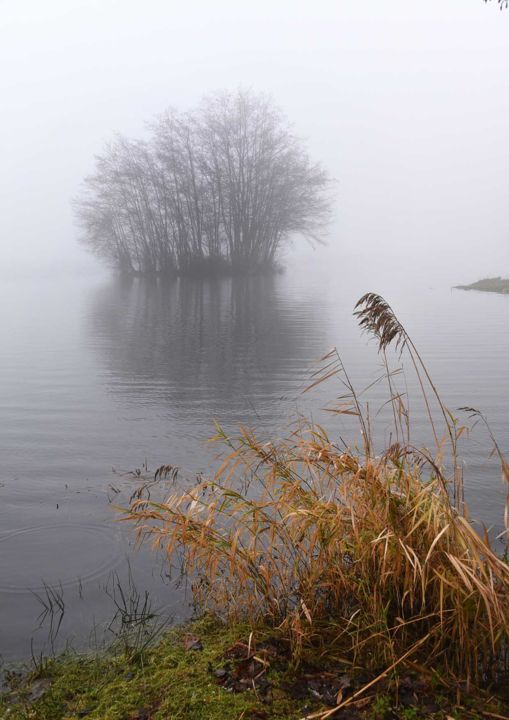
{"type": "Point", "coordinates": [191, 642]}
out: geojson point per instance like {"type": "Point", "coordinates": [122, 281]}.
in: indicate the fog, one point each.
{"type": "Point", "coordinates": [105, 376]}
{"type": "Point", "coordinates": [405, 103]}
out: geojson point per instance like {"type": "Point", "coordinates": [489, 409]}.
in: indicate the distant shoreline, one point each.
{"type": "Point", "coordinates": [208, 270]}
{"type": "Point", "coordinates": [495, 284]}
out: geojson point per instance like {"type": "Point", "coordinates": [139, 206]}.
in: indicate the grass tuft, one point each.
{"type": "Point", "coordinates": [371, 558]}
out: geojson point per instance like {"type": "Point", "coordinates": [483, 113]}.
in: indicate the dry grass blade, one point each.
{"type": "Point", "coordinates": [376, 316]}
{"type": "Point", "coordinates": [367, 686]}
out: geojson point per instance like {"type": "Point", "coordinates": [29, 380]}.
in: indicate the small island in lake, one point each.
{"type": "Point", "coordinates": [495, 284]}
{"type": "Point", "coordinates": [218, 190]}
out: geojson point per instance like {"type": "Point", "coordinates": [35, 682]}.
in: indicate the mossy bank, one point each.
{"type": "Point", "coordinates": [207, 671]}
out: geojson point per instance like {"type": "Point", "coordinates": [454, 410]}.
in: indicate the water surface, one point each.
{"type": "Point", "coordinates": [101, 375]}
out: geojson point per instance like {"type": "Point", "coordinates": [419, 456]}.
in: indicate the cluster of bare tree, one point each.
{"type": "Point", "coordinates": [222, 187]}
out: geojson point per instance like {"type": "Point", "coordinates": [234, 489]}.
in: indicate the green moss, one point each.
{"type": "Point", "coordinates": [170, 682]}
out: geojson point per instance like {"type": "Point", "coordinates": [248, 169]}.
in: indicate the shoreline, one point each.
{"type": "Point", "coordinates": [206, 670]}
{"type": "Point", "coordinates": [206, 272]}
{"type": "Point", "coordinates": [495, 285]}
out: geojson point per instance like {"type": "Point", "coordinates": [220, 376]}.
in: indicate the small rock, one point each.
{"type": "Point", "coordinates": [38, 688]}
{"type": "Point", "coordinates": [344, 682]}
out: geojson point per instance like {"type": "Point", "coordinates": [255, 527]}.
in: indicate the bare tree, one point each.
{"type": "Point", "coordinates": [223, 187]}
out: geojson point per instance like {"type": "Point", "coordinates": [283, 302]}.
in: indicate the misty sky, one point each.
{"type": "Point", "coordinates": [406, 103]}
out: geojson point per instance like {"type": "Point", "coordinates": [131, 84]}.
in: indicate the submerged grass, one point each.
{"type": "Point", "coordinates": [348, 553]}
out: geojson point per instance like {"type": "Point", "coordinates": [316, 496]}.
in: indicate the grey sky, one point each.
{"type": "Point", "coordinates": [406, 102]}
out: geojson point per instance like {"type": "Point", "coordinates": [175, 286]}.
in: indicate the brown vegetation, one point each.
{"type": "Point", "coordinates": [368, 558]}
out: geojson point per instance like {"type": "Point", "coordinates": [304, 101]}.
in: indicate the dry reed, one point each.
{"type": "Point", "coordinates": [369, 557]}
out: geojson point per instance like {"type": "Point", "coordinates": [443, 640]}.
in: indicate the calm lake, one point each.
{"type": "Point", "coordinates": [100, 375]}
